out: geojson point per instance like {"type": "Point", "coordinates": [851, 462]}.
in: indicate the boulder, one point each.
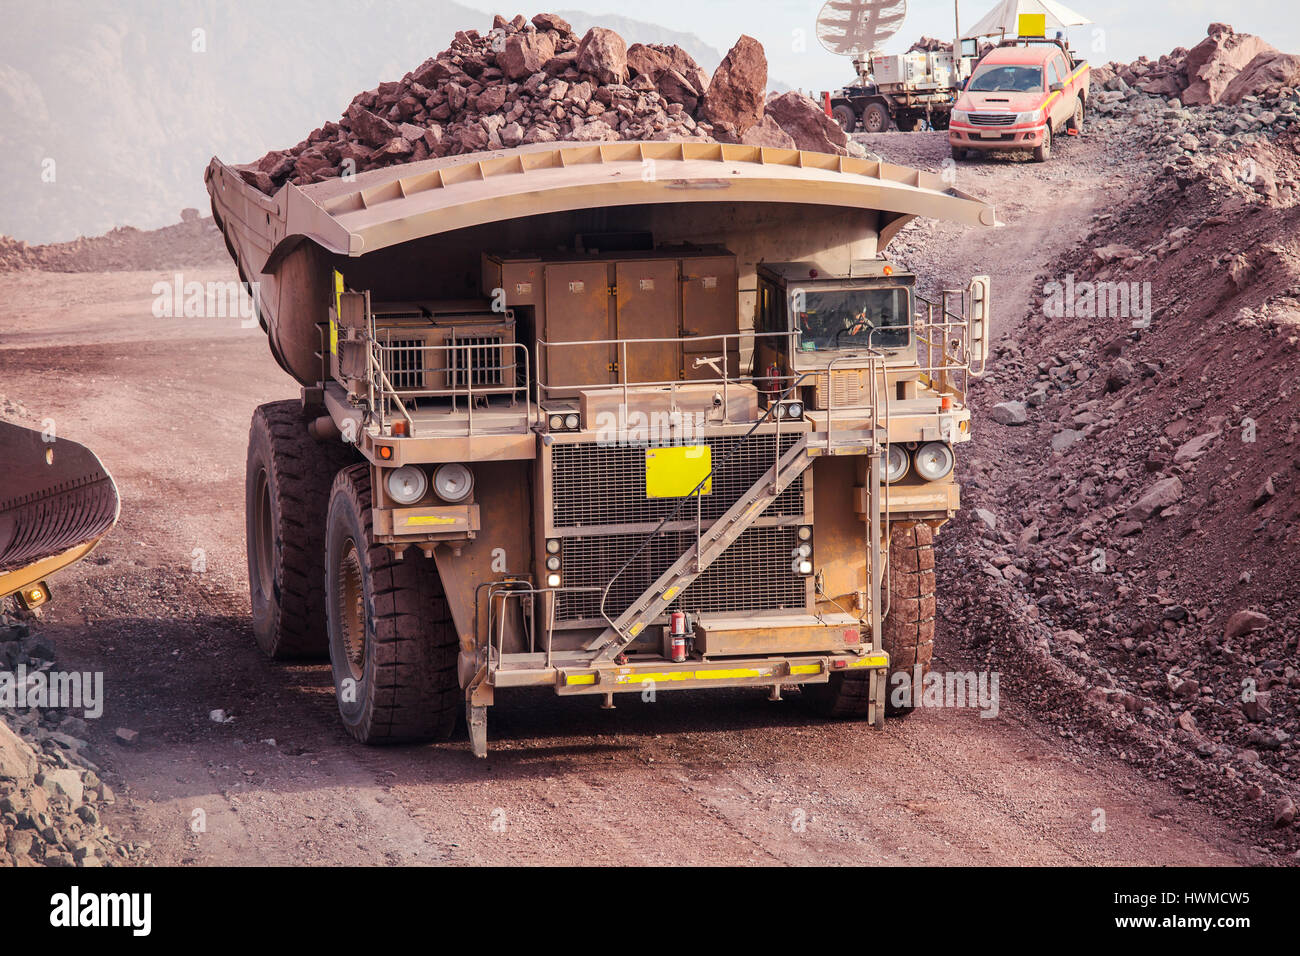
{"type": "Point", "coordinates": [1165, 493]}
{"type": "Point", "coordinates": [552, 21]}
{"type": "Point", "coordinates": [1010, 413]}
{"type": "Point", "coordinates": [766, 132]}
{"type": "Point", "coordinates": [603, 54]}
{"type": "Point", "coordinates": [1213, 63]}
{"type": "Point", "coordinates": [807, 124]}
{"type": "Point", "coordinates": [1264, 76]}
{"type": "Point", "coordinates": [734, 98]}
{"type": "Point", "coordinates": [525, 54]}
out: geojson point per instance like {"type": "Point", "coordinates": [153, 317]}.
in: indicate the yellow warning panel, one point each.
{"type": "Point", "coordinates": [674, 472]}
{"type": "Point", "coordinates": [1033, 24]}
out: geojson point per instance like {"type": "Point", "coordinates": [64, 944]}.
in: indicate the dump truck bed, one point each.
{"type": "Point", "coordinates": [287, 244]}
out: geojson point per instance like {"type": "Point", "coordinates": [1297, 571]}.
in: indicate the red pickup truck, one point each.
{"type": "Point", "coordinates": [1020, 95]}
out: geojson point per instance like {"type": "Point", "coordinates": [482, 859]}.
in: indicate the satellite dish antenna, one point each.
{"type": "Point", "coordinates": [856, 27]}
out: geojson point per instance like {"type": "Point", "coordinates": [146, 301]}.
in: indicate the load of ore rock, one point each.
{"type": "Point", "coordinates": [538, 82]}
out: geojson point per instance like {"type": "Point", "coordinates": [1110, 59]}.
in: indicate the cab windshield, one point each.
{"type": "Point", "coordinates": [853, 319]}
{"type": "Point", "coordinates": [1007, 79]}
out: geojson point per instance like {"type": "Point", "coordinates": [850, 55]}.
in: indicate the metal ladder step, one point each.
{"type": "Point", "coordinates": [696, 560]}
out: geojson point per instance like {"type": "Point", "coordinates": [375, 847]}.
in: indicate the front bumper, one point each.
{"type": "Point", "coordinates": [968, 136]}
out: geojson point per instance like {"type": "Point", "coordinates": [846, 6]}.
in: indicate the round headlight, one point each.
{"type": "Point", "coordinates": [552, 580]}
{"type": "Point", "coordinates": [896, 463]}
{"type": "Point", "coordinates": [557, 422]}
{"type": "Point", "coordinates": [553, 546]}
{"type": "Point", "coordinates": [553, 563]}
{"type": "Point", "coordinates": [805, 533]}
{"type": "Point", "coordinates": [453, 482]}
{"type": "Point", "coordinates": [934, 460]}
{"type": "Point", "coordinates": [407, 485]}
{"type": "Point", "coordinates": [804, 550]}
{"type": "Point", "coordinates": [794, 410]}
{"type": "Point", "coordinates": [571, 422]}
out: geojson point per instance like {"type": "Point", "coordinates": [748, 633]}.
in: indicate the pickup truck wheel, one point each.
{"type": "Point", "coordinates": [875, 118]}
{"type": "Point", "coordinates": [286, 494]}
{"type": "Point", "coordinates": [909, 625]}
{"type": "Point", "coordinates": [958, 153]}
{"type": "Point", "coordinates": [1076, 121]}
{"type": "Point", "coordinates": [392, 644]}
{"type": "Point", "coordinates": [1043, 153]}
{"type": "Point", "coordinates": [845, 116]}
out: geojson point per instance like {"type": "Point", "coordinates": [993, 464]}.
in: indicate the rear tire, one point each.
{"type": "Point", "coordinates": [1076, 120]}
{"type": "Point", "coordinates": [392, 643]}
{"type": "Point", "coordinates": [286, 493]}
{"type": "Point", "coordinates": [875, 118]}
{"type": "Point", "coordinates": [844, 115]}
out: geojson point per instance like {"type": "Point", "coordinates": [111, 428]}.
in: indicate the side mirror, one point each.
{"type": "Point", "coordinates": [978, 318]}
{"type": "Point", "coordinates": [1057, 87]}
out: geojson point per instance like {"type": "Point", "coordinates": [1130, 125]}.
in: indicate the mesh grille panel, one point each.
{"type": "Point", "coordinates": [752, 575]}
{"type": "Point", "coordinates": [481, 361]}
{"type": "Point", "coordinates": [404, 364]}
{"type": "Point", "coordinates": [594, 484]}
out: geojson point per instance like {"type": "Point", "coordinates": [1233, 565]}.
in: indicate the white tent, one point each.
{"type": "Point", "coordinates": [1005, 18]}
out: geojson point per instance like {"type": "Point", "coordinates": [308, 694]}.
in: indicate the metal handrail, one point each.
{"type": "Point", "coordinates": [389, 393]}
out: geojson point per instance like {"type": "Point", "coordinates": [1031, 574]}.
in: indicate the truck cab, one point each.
{"type": "Point", "coordinates": [1020, 96]}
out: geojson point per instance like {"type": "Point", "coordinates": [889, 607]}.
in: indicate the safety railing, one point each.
{"type": "Point", "coordinates": [464, 364]}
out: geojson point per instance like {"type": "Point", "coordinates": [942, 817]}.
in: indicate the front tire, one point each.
{"type": "Point", "coordinates": [392, 643]}
{"type": "Point", "coordinates": [1044, 152]}
{"type": "Point", "coordinates": [286, 494]}
{"type": "Point", "coordinates": [845, 116]}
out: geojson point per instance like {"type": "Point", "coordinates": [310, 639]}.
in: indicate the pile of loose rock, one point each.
{"type": "Point", "coordinates": [537, 82]}
{"type": "Point", "coordinates": [51, 792]}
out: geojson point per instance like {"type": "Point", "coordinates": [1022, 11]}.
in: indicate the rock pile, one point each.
{"type": "Point", "coordinates": [51, 792]}
{"type": "Point", "coordinates": [537, 82]}
{"type": "Point", "coordinates": [1225, 67]}
{"type": "Point", "coordinates": [192, 242]}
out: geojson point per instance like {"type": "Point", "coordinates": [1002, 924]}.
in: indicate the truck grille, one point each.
{"type": "Point", "coordinates": [752, 575]}
{"type": "Point", "coordinates": [479, 364]}
{"type": "Point", "coordinates": [600, 485]}
{"type": "Point", "coordinates": [404, 363]}
{"type": "Point", "coordinates": [992, 119]}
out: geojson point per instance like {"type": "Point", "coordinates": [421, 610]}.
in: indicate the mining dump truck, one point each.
{"type": "Point", "coordinates": [612, 418]}
{"type": "Point", "coordinates": [57, 501]}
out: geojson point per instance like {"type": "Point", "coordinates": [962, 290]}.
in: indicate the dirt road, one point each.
{"type": "Point", "coordinates": [690, 778]}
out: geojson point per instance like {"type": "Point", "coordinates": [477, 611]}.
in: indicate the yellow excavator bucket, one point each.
{"type": "Point", "coordinates": [57, 501]}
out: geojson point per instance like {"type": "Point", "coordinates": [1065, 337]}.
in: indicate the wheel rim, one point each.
{"type": "Point", "coordinates": [872, 121]}
{"type": "Point", "coordinates": [264, 536]}
{"type": "Point", "coordinates": [352, 610]}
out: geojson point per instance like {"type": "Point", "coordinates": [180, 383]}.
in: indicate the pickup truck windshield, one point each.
{"type": "Point", "coordinates": [853, 319]}
{"type": "Point", "coordinates": [1007, 79]}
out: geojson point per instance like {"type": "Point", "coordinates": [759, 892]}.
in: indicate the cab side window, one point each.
{"type": "Point", "coordinates": [1053, 72]}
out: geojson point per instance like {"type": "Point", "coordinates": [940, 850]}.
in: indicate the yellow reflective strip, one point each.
{"type": "Point", "coordinates": [732, 673]}
{"type": "Point", "coordinates": [579, 678]}
{"type": "Point", "coordinates": [870, 661]}
{"type": "Point", "coordinates": [663, 677]}
{"type": "Point", "coordinates": [338, 310]}
{"type": "Point", "coordinates": [430, 519]}
{"type": "Point", "coordinates": [806, 669]}
{"type": "Point", "coordinates": [672, 592]}
{"type": "Point", "coordinates": [636, 629]}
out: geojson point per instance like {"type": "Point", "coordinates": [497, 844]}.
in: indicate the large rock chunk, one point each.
{"type": "Point", "coordinates": [647, 61]}
{"type": "Point", "coordinates": [1266, 75]}
{"type": "Point", "coordinates": [603, 54]}
{"type": "Point", "coordinates": [1243, 622]}
{"type": "Point", "coordinates": [807, 124]}
{"type": "Point", "coordinates": [766, 132]}
{"type": "Point", "coordinates": [734, 100]}
{"type": "Point", "coordinates": [1214, 62]}
{"type": "Point", "coordinates": [1165, 493]}
{"type": "Point", "coordinates": [525, 54]}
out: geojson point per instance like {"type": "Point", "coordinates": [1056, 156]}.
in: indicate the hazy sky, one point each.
{"type": "Point", "coordinates": [1127, 30]}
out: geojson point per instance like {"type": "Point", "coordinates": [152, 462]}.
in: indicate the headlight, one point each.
{"type": "Point", "coordinates": [934, 460]}
{"type": "Point", "coordinates": [407, 485]}
{"type": "Point", "coordinates": [552, 563]}
{"type": "Point", "coordinates": [552, 580]}
{"type": "Point", "coordinates": [571, 422]}
{"type": "Point", "coordinates": [553, 546]}
{"type": "Point", "coordinates": [1032, 116]}
{"type": "Point", "coordinates": [557, 422]}
{"type": "Point", "coordinates": [453, 482]}
{"type": "Point", "coordinates": [794, 410]}
{"type": "Point", "coordinates": [960, 116]}
{"type": "Point", "coordinates": [896, 463]}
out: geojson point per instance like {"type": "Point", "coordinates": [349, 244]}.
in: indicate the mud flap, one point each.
{"type": "Point", "coordinates": [476, 721]}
